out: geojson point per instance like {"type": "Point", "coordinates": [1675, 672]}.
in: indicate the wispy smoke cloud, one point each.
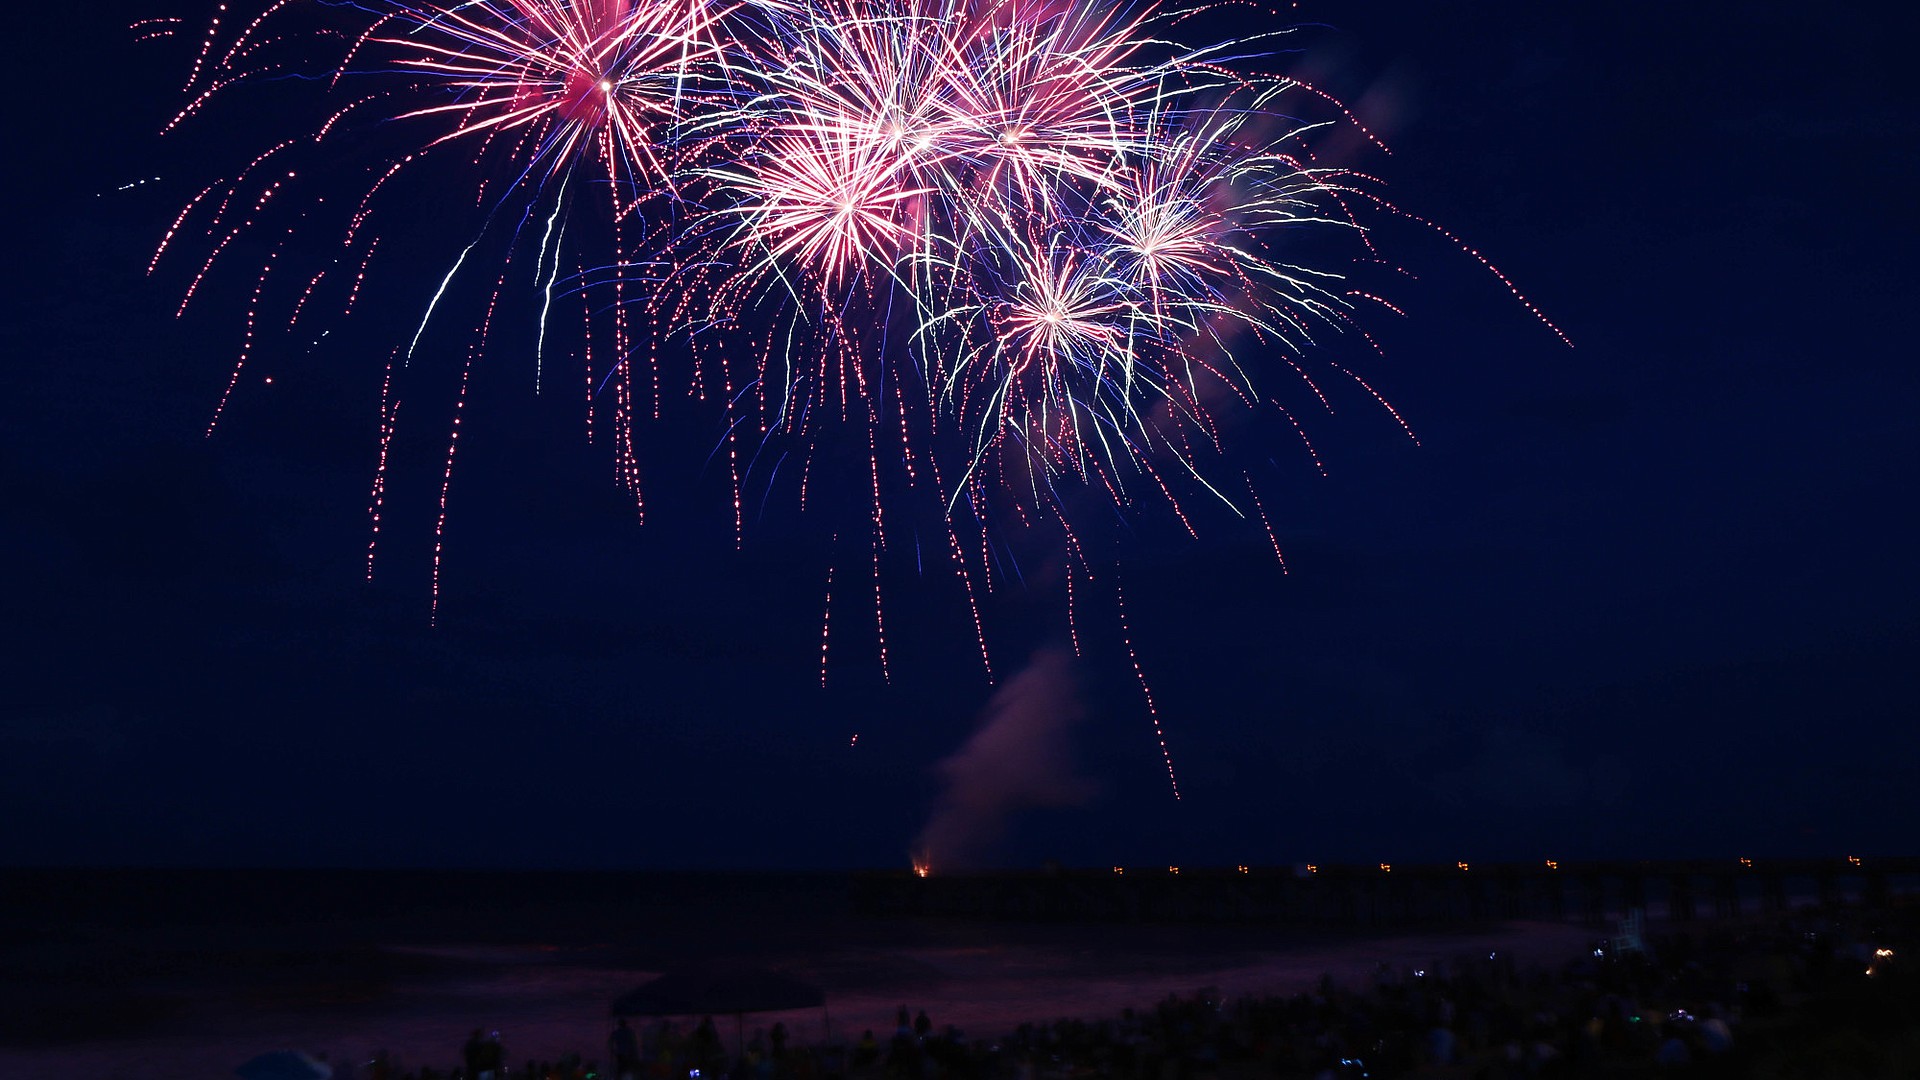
{"type": "Point", "coordinates": [1019, 758]}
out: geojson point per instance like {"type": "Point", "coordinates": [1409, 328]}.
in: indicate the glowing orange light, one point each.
{"type": "Point", "coordinates": [1386, 868]}
{"type": "Point", "coordinates": [1173, 869]}
{"type": "Point", "coordinates": [1462, 866]}
{"type": "Point", "coordinates": [1552, 865]}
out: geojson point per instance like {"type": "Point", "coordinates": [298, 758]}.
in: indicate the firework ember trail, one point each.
{"type": "Point", "coordinates": [956, 278]}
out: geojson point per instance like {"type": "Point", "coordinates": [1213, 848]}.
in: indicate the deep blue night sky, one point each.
{"type": "Point", "coordinates": [1653, 596]}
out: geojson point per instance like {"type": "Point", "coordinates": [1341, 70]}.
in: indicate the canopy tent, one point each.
{"type": "Point", "coordinates": [722, 990]}
{"type": "Point", "coordinates": [284, 1065]}
{"type": "Point", "coordinates": [706, 992]}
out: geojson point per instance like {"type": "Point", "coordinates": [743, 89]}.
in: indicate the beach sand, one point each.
{"type": "Point", "coordinates": [188, 997]}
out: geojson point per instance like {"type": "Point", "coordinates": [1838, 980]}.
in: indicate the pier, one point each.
{"type": "Point", "coordinates": [1381, 895]}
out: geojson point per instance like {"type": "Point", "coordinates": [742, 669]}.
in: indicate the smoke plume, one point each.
{"type": "Point", "coordinates": [1020, 757]}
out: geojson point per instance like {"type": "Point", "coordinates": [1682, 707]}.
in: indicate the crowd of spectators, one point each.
{"type": "Point", "coordinates": [1821, 992]}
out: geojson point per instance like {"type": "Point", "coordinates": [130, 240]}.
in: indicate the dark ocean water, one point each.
{"type": "Point", "coordinates": [169, 974]}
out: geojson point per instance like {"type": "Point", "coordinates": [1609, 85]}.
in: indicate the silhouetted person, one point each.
{"type": "Point", "coordinates": [866, 1051]}
{"type": "Point", "coordinates": [493, 1058]}
{"type": "Point", "coordinates": [471, 1053]}
{"type": "Point", "coordinates": [623, 1046]}
{"type": "Point", "coordinates": [704, 1046]}
{"type": "Point", "coordinates": [922, 1026]}
{"type": "Point", "coordinates": [903, 1057]}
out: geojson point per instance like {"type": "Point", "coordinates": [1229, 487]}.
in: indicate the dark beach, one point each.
{"type": "Point", "coordinates": [177, 974]}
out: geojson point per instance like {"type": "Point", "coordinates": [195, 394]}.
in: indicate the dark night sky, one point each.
{"type": "Point", "coordinates": [1653, 596]}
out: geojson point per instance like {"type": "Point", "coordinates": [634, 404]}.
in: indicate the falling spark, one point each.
{"type": "Point", "coordinates": [971, 262]}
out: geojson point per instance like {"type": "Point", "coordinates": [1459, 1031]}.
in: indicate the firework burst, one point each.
{"type": "Point", "coordinates": [966, 259]}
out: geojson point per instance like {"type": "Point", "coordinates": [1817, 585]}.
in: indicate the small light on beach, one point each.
{"type": "Point", "coordinates": [1854, 859]}
{"type": "Point", "coordinates": [1386, 868]}
{"type": "Point", "coordinates": [1748, 863]}
{"type": "Point", "coordinates": [1553, 864]}
{"type": "Point", "coordinates": [1173, 869]}
{"type": "Point", "coordinates": [1462, 866]}
{"type": "Point", "coordinates": [1312, 868]}
{"type": "Point", "coordinates": [1245, 869]}
{"type": "Point", "coordinates": [1119, 869]}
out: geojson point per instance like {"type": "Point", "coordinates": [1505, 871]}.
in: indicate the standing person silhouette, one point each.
{"type": "Point", "coordinates": [472, 1053]}
{"type": "Point", "coordinates": [623, 1046]}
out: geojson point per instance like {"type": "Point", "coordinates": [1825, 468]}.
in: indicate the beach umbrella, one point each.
{"type": "Point", "coordinates": [707, 991]}
{"type": "Point", "coordinates": [284, 1065]}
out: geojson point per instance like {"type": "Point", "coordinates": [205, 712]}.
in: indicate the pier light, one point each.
{"type": "Point", "coordinates": [1173, 870]}
{"type": "Point", "coordinates": [1463, 866]}
{"type": "Point", "coordinates": [1854, 859]}
{"type": "Point", "coordinates": [1386, 868]}
{"type": "Point", "coordinates": [1748, 863]}
{"type": "Point", "coordinates": [1553, 864]}
{"type": "Point", "coordinates": [1245, 869]}
{"type": "Point", "coordinates": [1119, 869]}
